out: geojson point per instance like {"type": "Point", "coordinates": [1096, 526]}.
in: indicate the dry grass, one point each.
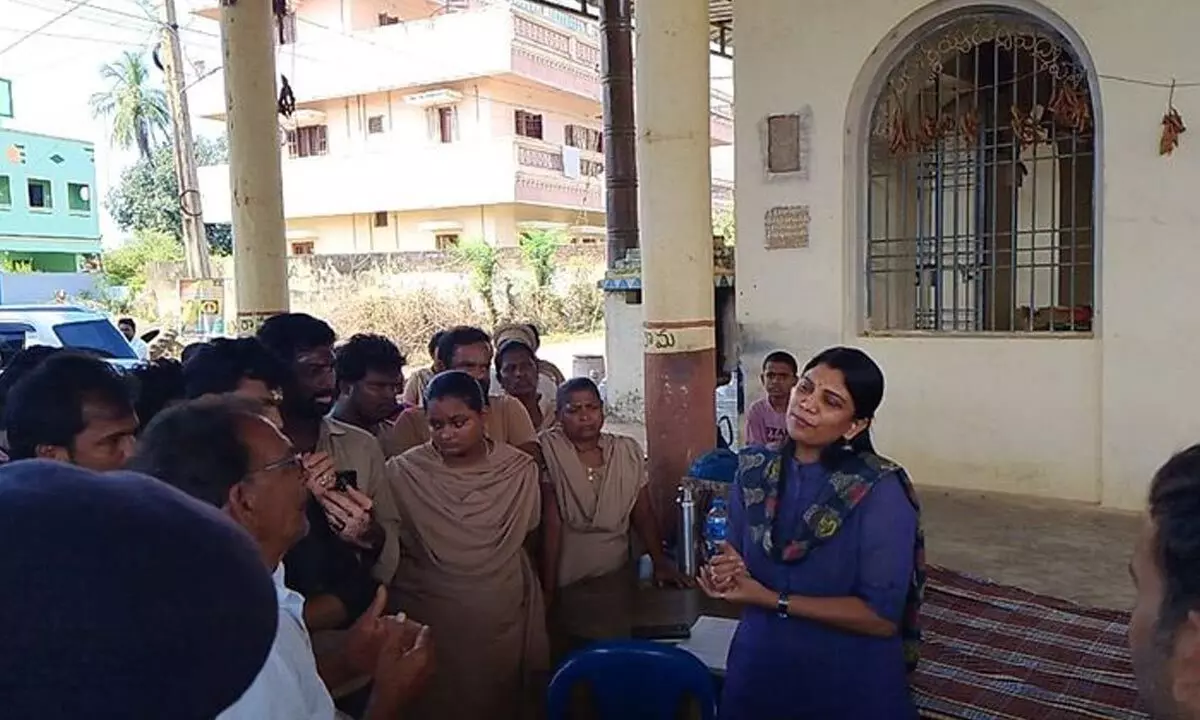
{"type": "Point", "coordinates": [410, 316]}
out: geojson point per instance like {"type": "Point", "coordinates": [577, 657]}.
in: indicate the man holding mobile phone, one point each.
{"type": "Point", "coordinates": [353, 544]}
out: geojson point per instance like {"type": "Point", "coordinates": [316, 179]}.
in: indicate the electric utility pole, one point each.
{"type": "Point", "coordinates": [195, 241]}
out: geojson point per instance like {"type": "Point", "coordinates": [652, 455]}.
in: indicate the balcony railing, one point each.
{"type": "Point", "coordinates": [500, 170]}
{"type": "Point", "coordinates": [541, 155]}
{"type": "Point", "coordinates": [330, 62]}
{"type": "Point", "coordinates": [521, 38]}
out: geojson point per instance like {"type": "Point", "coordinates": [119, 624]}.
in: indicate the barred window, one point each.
{"type": "Point", "coordinates": [979, 200]}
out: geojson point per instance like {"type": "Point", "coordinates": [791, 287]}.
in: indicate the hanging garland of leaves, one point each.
{"type": "Point", "coordinates": [1069, 106]}
{"type": "Point", "coordinates": [1172, 126]}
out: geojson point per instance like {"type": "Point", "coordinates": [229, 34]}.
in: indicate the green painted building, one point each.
{"type": "Point", "coordinates": [49, 214]}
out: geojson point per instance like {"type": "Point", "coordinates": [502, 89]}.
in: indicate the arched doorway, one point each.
{"type": "Point", "coordinates": [979, 202]}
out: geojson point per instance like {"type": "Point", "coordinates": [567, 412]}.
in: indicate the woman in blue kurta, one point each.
{"type": "Point", "coordinates": [826, 556]}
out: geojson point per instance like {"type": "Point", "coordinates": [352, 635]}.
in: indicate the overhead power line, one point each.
{"type": "Point", "coordinates": [45, 25]}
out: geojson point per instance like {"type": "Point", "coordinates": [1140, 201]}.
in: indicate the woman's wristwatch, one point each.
{"type": "Point", "coordinates": [781, 605]}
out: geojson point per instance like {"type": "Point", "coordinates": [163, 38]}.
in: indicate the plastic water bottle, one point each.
{"type": "Point", "coordinates": [716, 527]}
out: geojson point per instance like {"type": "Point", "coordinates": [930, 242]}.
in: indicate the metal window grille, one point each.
{"type": "Point", "coordinates": [980, 185]}
{"type": "Point", "coordinates": [308, 141]}
{"type": "Point", "coordinates": [528, 124]}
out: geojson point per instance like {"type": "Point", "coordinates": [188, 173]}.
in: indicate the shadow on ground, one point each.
{"type": "Point", "coordinates": [1070, 550]}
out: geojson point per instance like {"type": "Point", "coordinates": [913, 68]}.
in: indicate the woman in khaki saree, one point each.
{"type": "Point", "coordinates": [467, 508]}
{"type": "Point", "coordinates": [600, 480]}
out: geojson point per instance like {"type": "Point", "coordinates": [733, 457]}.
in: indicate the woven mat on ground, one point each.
{"type": "Point", "coordinates": [997, 652]}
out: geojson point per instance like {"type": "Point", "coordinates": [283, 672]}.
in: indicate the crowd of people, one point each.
{"type": "Point", "coordinates": [286, 526]}
{"type": "Point", "coordinates": [428, 540]}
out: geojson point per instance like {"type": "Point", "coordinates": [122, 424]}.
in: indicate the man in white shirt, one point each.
{"type": "Point", "coordinates": [129, 330]}
{"type": "Point", "coordinates": [223, 451]}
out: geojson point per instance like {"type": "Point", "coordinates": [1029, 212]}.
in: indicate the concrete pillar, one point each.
{"type": "Point", "coordinates": [255, 176]}
{"type": "Point", "coordinates": [620, 132]}
{"type": "Point", "coordinates": [675, 212]}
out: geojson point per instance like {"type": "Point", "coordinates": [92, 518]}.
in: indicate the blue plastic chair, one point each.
{"type": "Point", "coordinates": [634, 679]}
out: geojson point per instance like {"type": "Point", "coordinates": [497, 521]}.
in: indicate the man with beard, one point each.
{"type": "Point", "coordinates": [353, 517]}
{"type": "Point", "coordinates": [1164, 632]}
{"type": "Point", "coordinates": [370, 378]}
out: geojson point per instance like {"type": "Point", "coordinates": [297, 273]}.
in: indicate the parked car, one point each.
{"type": "Point", "coordinates": [62, 326]}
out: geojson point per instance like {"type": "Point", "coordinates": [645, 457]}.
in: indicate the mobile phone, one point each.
{"type": "Point", "coordinates": [343, 479]}
{"type": "Point", "coordinates": [677, 631]}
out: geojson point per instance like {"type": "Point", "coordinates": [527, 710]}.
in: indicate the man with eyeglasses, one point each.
{"type": "Point", "coordinates": [223, 451]}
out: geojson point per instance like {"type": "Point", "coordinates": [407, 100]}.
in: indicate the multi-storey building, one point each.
{"type": "Point", "coordinates": [421, 124]}
{"type": "Point", "coordinates": [49, 220]}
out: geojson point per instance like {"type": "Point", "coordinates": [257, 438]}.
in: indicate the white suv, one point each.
{"type": "Point", "coordinates": [22, 326]}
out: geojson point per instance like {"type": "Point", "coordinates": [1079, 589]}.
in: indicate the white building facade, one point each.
{"type": "Point", "coordinates": [420, 124]}
{"type": "Point", "coordinates": [986, 211]}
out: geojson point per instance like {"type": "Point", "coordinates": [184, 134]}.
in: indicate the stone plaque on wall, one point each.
{"type": "Point", "coordinates": [787, 227]}
{"type": "Point", "coordinates": [786, 141]}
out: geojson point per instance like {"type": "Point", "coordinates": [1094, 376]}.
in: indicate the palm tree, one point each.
{"type": "Point", "coordinates": [138, 112]}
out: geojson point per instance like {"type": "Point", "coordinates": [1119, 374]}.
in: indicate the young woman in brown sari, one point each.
{"type": "Point", "coordinates": [467, 507]}
{"type": "Point", "coordinates": [600, 480]}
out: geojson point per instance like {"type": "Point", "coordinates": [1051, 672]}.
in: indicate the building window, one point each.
{"type": "Point", "coordinates": [79, 197]}
{"type": "Point", "coordinates": [40, 195]}
{"type": "Point", "coordinates": [303, 248]}
{"type": "Point", "coordinates": [446, 241]}
{"type": "Point", "coordinates": [5, 192]}
{"type": "Point", "coordinates": [443, 124]}
{"type": "Point", "coordinates": [287, 29]}
{"type": "Point", "coordinates": [381, 219]}
{"type": "Point", "coordinates": [374, 124]}
{"type": "Point", "coordinates": [528, 124]}
{"type": "Point", "coordinates": [979, 195]}
{"type": "Point", "coordinates": [308, 141]}
{"type": "Point", "coordinates": [385, 19]}
{"type": "Point", "coordinates": [584, 138]}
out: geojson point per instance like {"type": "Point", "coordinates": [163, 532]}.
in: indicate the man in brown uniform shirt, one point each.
{"type": "Point", "coordinates": [468, 349]}
{"type": "Point", "coordinates": [341, 459]}
{"type": "Point", "coordinates": [370, 377]}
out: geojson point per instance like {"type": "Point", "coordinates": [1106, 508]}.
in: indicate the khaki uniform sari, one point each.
{"type": "Point", "coordinates": [465, 573]}
{"type": "Point", "coordinates": [596, 577]}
